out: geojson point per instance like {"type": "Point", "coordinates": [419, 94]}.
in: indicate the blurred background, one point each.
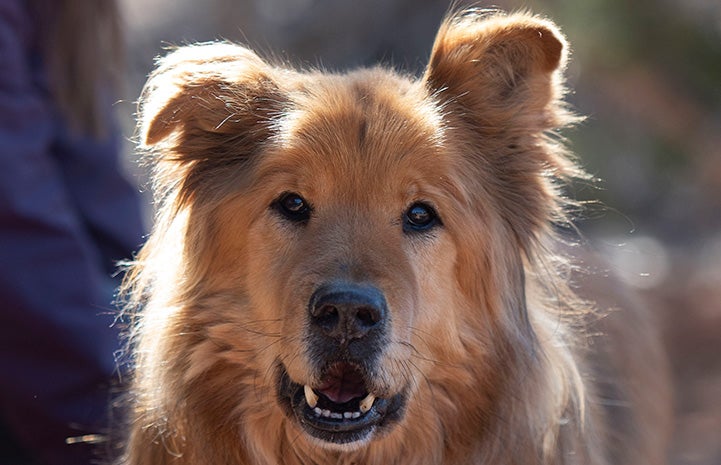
{"type": "Point", "coordinates": [646, 73]}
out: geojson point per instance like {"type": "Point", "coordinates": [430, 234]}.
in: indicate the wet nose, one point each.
{"type": "Point", "coordinates": [347, 311]}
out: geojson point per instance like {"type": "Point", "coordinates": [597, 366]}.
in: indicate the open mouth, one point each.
{"type": "Point", "coordinates": [340, 409]}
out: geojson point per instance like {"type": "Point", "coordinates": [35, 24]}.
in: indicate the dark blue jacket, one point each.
{"type": "Point", "coordinates": [66, 216]}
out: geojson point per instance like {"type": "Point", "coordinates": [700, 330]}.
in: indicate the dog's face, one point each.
{"type": "Point", "coordinates": [343, 234]}
{"type": "Point", "coordinates": [346, 248]}
{"type": "Point", "coordinates": [350, 250]}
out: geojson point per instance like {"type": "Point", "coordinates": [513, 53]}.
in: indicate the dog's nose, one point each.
{"type": "Point", "coordinates": [346, 311]}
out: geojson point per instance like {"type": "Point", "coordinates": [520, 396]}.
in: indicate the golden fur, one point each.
{"type": "Point", "coordinates": [482, 336]}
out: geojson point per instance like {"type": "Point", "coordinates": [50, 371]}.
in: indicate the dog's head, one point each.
{"type": "Point", "coordinates": [351, 242]}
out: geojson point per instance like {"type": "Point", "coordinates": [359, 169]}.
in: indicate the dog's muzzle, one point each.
{"type": "Point", "coordinates": [347, 330]}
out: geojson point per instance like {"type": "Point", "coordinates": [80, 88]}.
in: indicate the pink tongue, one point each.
{"type": "Point", "coordinates": [342, 383]}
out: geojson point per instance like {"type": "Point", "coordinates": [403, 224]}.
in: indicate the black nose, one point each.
{"type": "Point", "coordinates": [345, 311]}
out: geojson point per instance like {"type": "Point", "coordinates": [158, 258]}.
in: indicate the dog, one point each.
{"type": "Point", "coordinates": [363, 268]}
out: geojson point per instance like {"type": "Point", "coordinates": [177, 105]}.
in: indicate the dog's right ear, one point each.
{"type": "Point", "coordinates": [206, 107]}
{"type": "Point", "coordinates": [499, 70]}
{"type": "Point", "coordinates": [499, 80]}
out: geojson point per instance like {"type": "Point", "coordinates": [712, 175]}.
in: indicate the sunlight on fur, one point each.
{"type": "Point", "coordinates": [362, 268]}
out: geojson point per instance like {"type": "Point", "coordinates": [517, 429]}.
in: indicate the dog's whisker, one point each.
{"type": "Point", "coordinates": [420, 356]}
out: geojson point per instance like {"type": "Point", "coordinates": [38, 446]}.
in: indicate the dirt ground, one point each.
{"type": "Point", "coordinates": [690, 302]}
{"type": "Point", "coordinates": [681, 287]}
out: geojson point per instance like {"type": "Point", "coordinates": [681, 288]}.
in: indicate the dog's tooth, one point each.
{"type": "Point", "coordinates": [367, 403]}
{"type": "Point", "coordinates": [336, 416]}
{"type": "Point", "coordinates": [318, 412]}
{"type": "Point", "coordinates": [355, 415]}
{"type": "Point", "coordinates": [326, 413]}
{"type": "Point", "coordinates": [347, 415]}
{"type": "Point", "coordinates": [310, 396]}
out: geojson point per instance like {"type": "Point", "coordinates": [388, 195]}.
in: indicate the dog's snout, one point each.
{"type": "Point", "coordinates": [347, 311]}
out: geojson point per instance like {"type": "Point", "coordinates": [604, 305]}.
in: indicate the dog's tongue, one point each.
{"type": "Point", "coordinates": [342, 383]}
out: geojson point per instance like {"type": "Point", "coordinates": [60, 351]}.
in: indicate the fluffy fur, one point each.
{"type": "Point", "coordinates": [483, 335]}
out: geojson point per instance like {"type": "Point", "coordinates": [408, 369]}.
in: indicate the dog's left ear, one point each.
{"type": "Point", "coordinates": [502, 70]}
{"type": "Point", "coordinates": [206, 109]}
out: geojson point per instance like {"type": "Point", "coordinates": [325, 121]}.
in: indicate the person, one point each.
{"type": "Point", "coordinates": [66, 216]}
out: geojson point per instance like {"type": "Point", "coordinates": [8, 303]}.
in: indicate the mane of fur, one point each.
{"type": "Point", "coordinates": [205, 116]}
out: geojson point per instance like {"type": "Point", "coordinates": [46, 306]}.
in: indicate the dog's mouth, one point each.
{"type": "Point", "coordinates": [341, 409]}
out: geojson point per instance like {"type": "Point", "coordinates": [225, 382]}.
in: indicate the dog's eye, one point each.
{"type": "Point", "coordinates": [420, 217]}
{"type": "Point", "coordinates": [293, 207]}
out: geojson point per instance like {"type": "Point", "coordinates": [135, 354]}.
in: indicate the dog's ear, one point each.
{"type": "Point", "coordinates": [204, 108]}
{"type": "Point", "coordinates": [502, 70]}
{"type": "Point", "coordinates": [498, 81]}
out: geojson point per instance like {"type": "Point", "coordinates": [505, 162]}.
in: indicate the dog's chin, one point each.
{"type": "Point", "coordinates": [339, 419]}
